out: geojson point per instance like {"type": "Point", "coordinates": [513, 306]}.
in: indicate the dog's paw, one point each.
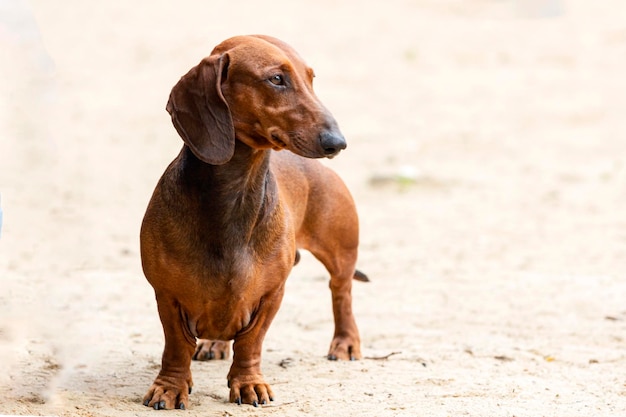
{"type": "Point", "coordinates": [249, 389]}
{"type": "Point", "coordinates": [344, 348]}
{"type": "Point", "coordinates": [207, 350]}
{"type": "Point", "coordinates": [168, 393]}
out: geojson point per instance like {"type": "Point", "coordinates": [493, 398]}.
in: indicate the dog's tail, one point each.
{"type": "Point", "coordinates": [358, 275]}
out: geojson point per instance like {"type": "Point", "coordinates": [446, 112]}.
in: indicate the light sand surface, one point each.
{"type": "Point", "coordinates": [487, 156]}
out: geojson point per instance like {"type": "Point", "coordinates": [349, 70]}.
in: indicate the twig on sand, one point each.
{"type": "Point", "coordinates": [383, 358]}
{"type": "Point", "coordinates": [277, 405]}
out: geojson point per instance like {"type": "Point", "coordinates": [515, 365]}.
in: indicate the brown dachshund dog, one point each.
{"type": "Point", "coordinates": [221, 232]}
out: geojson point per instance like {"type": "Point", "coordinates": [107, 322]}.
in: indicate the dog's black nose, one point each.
{"type": "Point", "coordinates": [332, 143]}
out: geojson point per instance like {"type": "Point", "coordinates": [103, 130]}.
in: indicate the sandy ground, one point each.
{"type": "Point", "coordinates": [487, 156]}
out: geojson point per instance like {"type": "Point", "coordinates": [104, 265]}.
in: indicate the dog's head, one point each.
{"type": "Point", "coordinates": [259, 90]}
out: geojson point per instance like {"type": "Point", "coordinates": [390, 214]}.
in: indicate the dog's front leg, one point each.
{"type": "Point", "coordinates": [245, 379]}
{"type": "Point", "coordinates": [172, 386]}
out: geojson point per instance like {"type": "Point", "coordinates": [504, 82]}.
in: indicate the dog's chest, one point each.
{"type": "Point", "coordinates": [225, 305]}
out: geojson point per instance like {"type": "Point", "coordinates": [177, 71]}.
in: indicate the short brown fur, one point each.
{"type": "Point", "coordinates": [221, 232]}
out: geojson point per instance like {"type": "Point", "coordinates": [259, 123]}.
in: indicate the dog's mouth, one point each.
{"type": "Point", "coordinates": [326, 145]}
{"type": "Point", "coordinates": [277, 141]}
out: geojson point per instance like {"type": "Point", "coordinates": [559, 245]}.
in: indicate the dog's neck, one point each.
{"type": "Point", "coordinates": [235, 198]}
{"type": "Point", "coordinates": [245, 171]}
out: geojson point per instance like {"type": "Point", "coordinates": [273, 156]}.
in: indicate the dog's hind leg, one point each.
{"type": "Point", "coordinates": [346, 342]}
{"type": "Point", "coordinates": [207, 350]}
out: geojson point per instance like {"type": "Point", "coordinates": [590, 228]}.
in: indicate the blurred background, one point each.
{"type": "Point", "coordinates": [486, 153]}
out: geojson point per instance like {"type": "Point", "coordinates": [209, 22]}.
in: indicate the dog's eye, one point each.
{"type": "Point", "coordinates": [277, 79]}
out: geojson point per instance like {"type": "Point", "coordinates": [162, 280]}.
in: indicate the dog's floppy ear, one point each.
{"type": "Point", "coordinates": [200, 112]}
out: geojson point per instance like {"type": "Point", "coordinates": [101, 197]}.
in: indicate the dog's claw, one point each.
{"type": "Point", "coordinates": [332, 357]}
{"type": "Point", "coordinates": [254, 403]}
{"type": "Point", "coordinates": [238, 401]}
{"type": "Point", "coordinates": [189, 390]}
{"type": "Point", "coordinates": [181, 406]}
